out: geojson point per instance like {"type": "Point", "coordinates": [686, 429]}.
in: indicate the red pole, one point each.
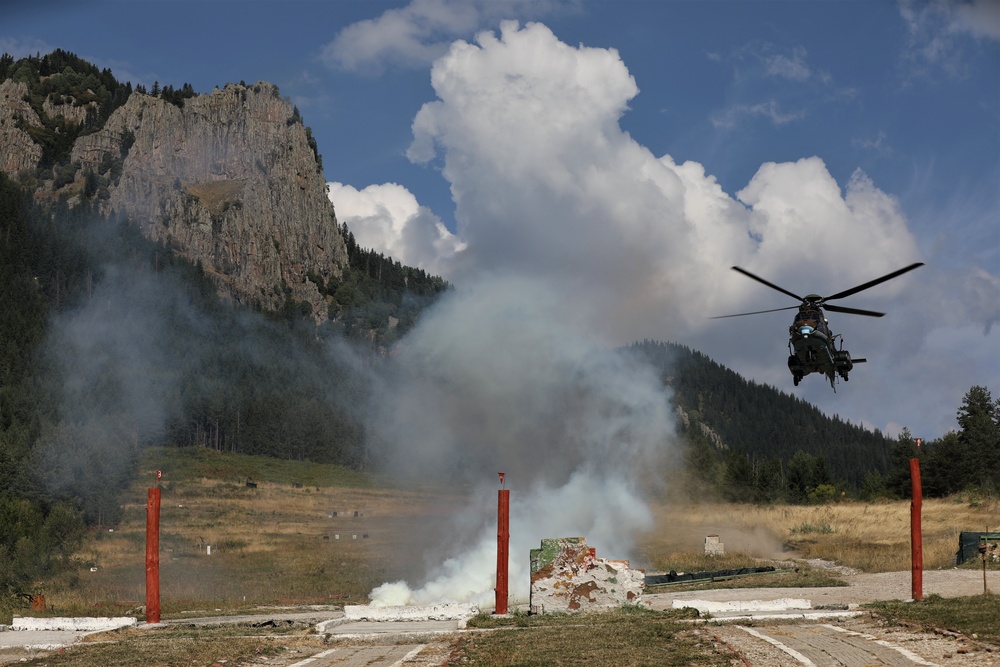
{"type": "Point", "coordinates": [503, 548]}
{"type": "Point", "coordinates": [916, 540]}
{"type": "Point", "coordinates": [153, 556]}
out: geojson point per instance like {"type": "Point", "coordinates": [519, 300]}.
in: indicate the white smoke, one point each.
{"type": "Point", "coordinates": [498, 378]}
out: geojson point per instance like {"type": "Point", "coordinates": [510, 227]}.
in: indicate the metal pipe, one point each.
{"type": "Point", "coordinates": [153, 556]}
{"type": "Point", "coordinates": [503, 548]}
{"type": "Point", "coordinates": [916, 539]}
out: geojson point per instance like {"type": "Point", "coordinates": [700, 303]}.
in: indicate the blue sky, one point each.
{"type": "Point", "coordinates": [623, 155]}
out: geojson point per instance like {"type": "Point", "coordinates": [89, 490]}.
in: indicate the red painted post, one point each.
{"type": "Point", "coordinates": [503, 548]}
{"type": "Point", "coordinates": [153, 556]}
{"type": "Point", "coordinates": [916, 539]}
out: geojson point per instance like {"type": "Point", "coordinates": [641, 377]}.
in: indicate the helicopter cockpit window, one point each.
{"type": "Point", "coordinates": [811, 318]}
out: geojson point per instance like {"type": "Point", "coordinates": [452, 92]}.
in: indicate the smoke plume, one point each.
{"type": "Point", "coordinates": [499, 377]}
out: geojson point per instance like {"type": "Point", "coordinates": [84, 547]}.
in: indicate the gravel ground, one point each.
{"type": "Point", "coordinates": [861, 588]}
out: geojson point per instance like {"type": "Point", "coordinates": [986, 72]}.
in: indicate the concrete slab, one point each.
{"type": "Point", "coordinates": [29, 637]}
{"type": "Point", "coordinates": [39, 640]}
{"type": "Point", "coordinates": [781, 609]}
{"type": "Point", "coordinates": [261, 619]}
{"type": "Point", "coordinates": [389, 630]}
{"type": "Point", "coordinates": [437, 612]}
{"type": "Point", "coordinates": [71, 623]}
{"type": "Point", "coordinates": [362, 656]}
{"type": "Point", "coordinates": [716, 607]}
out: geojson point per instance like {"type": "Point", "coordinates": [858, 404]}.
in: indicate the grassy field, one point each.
{"type": "Point", "coordinates": [305, 534]}
{"type": "Point", "coordinates": [871, 537]}
{"type": "Point", "coordinates": [624, 637]}
{"type": "Point", "coordinates": [311, 534]}
{"type": "Point", "coordinates": [977, 616]}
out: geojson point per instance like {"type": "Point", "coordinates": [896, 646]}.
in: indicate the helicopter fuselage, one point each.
{"type": "Point", "coordinates": [812, 347]}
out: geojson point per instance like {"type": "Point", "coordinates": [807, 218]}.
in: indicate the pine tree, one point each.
{"type": "Point", "coordinates": [979, 435]}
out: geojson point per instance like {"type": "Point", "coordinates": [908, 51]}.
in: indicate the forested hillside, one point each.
{"type": "Point", "coordinates": [754, 443]}
{"type": "Point", "coordinates": [62, 79]}
{"type": "Point", "coordinates": [109, 342]}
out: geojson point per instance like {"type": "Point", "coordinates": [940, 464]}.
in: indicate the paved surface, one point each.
{"type": "Point", "coordinates": [363, 656]}
{"type": "Point", "coordinates": [833, 646]}
{"type": "Point", "coordinates": [263, 619]}
{"type": "Point", "coordinates": [861, 588]}
{"type": "Point", "coordinates": [390, 630]}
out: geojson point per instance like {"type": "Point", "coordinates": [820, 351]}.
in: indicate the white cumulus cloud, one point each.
{"type": "Point", "coordinates": [547, 185]}
{"type": "Point", "coordinates": [414, 35]}
{"type": "Point", "coordinates": [388, 218]}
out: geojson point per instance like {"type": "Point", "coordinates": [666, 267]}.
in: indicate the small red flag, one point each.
{"type": "Point", "coordinates": [501, 478]}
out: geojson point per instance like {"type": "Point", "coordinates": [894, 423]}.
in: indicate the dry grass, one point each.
{"type": "Point", "coordinates": [216, 196]}
{"type": "Point", "coordinates": [277, 544]}
{"type": "Point", "coordinates": [872, 537]}
{"type": "Point", "coordinates": [185, 646]}
{"type": "Point", "coordinates": [624, 637]}
{"type": "Point", "coordinates": [281, 543]}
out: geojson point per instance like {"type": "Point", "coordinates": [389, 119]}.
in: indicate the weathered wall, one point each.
{"type": "Point", "coordinates": [566, 575]}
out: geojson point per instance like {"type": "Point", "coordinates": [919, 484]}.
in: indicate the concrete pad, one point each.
{"type": "Point", "coordinates": [805, 614]}
{"type": "Point", "coordinates": [73, 624]}
{"type": "Point", "coordinates": [38, 640]}
{"type": "Point", "coordinates": [362, 656]}
{"type": "Point", "coordinates": [437, 612]}
{"type": "Point", "coordinates": [389, 630]}
{"type": "Point", "coordinates": [715, 607]}
{"type": "Point", "coordinates": [261, 619]}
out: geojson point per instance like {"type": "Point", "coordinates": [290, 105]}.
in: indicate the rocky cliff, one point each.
{"type": "Point", "coordinates": [18, 152]}
{"type": "Point", "coordinates": [230, 179]}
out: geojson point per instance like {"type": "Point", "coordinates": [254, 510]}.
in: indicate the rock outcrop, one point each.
{"type": "Point", "coordinates": [230, 179]}
{"type": "Point", "coordinates": [18, 151]}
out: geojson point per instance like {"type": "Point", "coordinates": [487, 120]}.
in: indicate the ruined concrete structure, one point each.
{"type": "Point", "coordinates": [566, 575]}
{"type": "Point", "coordinates": [713, 546]}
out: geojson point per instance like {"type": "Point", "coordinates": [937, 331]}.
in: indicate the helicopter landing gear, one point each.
{"type": "Point", "coordinates": [795, 368]}
{"type": "Point", "coordinates": [844, 363]}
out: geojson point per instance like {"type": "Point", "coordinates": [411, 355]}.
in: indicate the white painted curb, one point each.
{"type": "Point", "coordinates": [458, 611]}
{"type": "Point", "coordinates": [74, 624]}
{"type": "Point", "coordinates": [711, 607]}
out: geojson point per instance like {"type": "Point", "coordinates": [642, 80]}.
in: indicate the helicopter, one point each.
{"type": "Point", "coordinates": [812, 347]}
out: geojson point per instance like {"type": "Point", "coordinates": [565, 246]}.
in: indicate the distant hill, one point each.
{"type": "Point", "coordinates": [746, 436]}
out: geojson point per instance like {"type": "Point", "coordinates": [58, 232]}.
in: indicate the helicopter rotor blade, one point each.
{"type": "Point", "coordinates": [852, 311]}
{"type": "Point", "coordinates": [764, 282]}
{"type": "Point", "coordinates": [862, 360]}
{"type": "Point", "coordinates": [872, 283]}
{"type": "Point", "coordinates": [756, 312]}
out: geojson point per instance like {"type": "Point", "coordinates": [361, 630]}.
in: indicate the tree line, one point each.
{"type": "Point", "coordinates": [753, 443]}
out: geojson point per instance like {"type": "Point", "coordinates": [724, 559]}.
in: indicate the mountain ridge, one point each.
{"type": "Point", "coordinates": [230, 179]}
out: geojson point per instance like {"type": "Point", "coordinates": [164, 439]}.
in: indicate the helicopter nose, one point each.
{"type": "Point", "coordinates": [806, 330]}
